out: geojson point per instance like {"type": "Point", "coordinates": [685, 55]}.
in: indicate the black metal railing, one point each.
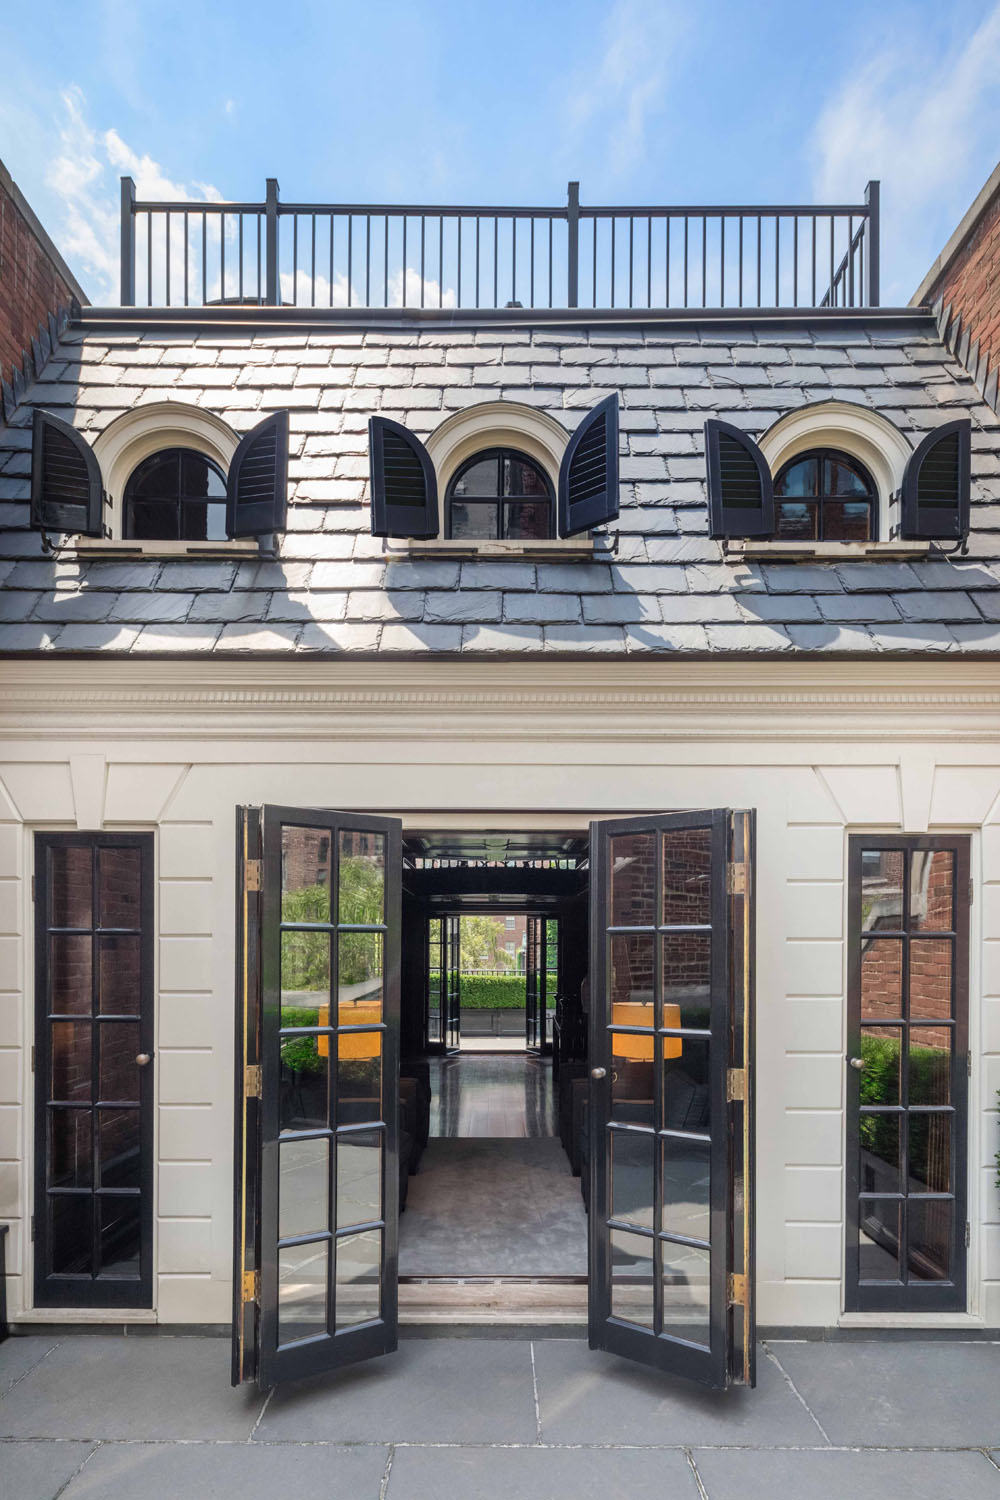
{"type": "Point", "coordinates": [202, 253]}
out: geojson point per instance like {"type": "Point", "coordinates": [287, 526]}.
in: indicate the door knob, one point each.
{"type": "Point", "coordinates": [598, 1073]}
{"type": "Point", "coordinates": [857, 1063]}
{"type": "Point", "coordinates": [143, 1059]}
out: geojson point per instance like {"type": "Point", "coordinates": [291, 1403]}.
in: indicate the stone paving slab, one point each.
{"type": "Point", "coordinates": [899, 1394]}
{"type": "Point", "coordinates": [18, 1356]}
{"type": "Point", "coordinates": [917, 1476]}
{"type": "Point", "coordinates": [587, 1397]}
{"type": "Point", "coordinates": [225, 1471]}
{"type": "Point", "coordinates": [537, 1473]}
{"type": "Point", "coordinates": [430, 1390]}
{"type": "Point", "coordinates": [38, 1471]}
{"type": "Point", "coordinates": [97, 1386]}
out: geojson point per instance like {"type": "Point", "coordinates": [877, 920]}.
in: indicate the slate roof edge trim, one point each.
{"type": "Point", "coordinates": [383, 658]}
{"type": "Point", "coordinates": [275, 319]}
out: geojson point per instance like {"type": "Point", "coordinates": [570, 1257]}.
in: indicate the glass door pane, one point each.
{"type": "Point", "coordinates": [453, 983]}
{"type": "Point", "coordinates": [534, 955]}
{"type": "Point", "coordinates": [671, 1028]}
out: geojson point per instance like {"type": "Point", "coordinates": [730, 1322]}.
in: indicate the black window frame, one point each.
{"type": "Point", "coordinates": [822, 500]}
{"type": "Point", "coordinates": [179, 450]}
{"type": "Point", "coordinates": [499, 453]}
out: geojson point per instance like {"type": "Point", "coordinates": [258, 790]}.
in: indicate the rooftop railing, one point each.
{"type": "Point", "coordinates": [335, 255]}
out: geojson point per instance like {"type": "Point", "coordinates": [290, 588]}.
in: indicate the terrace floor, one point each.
{"type": "Point", "coordinates": [496, 1419]}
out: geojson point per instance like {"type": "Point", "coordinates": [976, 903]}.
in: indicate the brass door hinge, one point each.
{"type": "Point", "coordinates": [736, 880]}
{"type": "Point", "coordinates": [251, 1286]}
{"type": "Point", "coordinates": [736, 1084]}
{"type": "Point", "coordinates": [251, 1081]}
{"type": "Point", "coordinates": [738, 1291]}
{"type": "Point", "coordinates": [252, 878]}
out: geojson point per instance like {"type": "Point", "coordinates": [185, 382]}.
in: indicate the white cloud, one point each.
{"type": "Point", "coordinates": [926, 124]}
{"type": "Point", "coordinates": [431, 290]}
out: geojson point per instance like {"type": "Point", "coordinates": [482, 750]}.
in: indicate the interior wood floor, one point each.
{"type": "Point", "coordinates": [492, 1095]}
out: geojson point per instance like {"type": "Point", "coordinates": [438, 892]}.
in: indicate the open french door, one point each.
{"type": "Point", "coordinates": [534, 984]}
{"type": "Point", "coordinates": [318, 904]}
{"type": "Point", "coordinates": [671, 1108]}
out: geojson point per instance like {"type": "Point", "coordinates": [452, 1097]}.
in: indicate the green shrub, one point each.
{"type": "Point", "coordinates": [305, 956]}
{"type": "Point", "coordinates": [493, 992]}
{"type": "Point", "coordinates": [929, 1083]}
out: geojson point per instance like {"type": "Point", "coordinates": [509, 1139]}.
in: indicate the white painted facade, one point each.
{"type": "Point", "coordinates": [821, 749]}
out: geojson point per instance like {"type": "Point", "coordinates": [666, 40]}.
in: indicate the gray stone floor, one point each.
{"type": "Point", "coordinates": [153, 1417]}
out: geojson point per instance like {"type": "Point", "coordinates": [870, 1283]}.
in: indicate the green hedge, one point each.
{"type": "Point", "coordinates": [929, 1084]}
{"type": "Point", "coordinates": [492, 991]}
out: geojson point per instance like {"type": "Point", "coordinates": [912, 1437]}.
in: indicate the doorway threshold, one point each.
{"type": "Point", "coordinates": [480, 1303]}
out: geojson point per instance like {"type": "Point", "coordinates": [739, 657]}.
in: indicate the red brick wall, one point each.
{"type": "Point", "coordinates": [970, 282]}
{"type": "Point", "coordinates": [32, 284]}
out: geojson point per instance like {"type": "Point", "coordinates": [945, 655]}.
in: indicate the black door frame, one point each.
{"type": "Point", "coordinates": [49, 1289]}
{"type": "Point", "coordinates": [916, 1296]}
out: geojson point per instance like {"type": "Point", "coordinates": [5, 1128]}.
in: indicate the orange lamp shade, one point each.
{"type": "Point", "coordinates": [354, 1046]}
{"type": "Point", "coordinates": [640, 1048]}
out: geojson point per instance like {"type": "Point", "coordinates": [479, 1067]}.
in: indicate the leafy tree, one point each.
{"type": "Point", "coordinates": [481, 943]}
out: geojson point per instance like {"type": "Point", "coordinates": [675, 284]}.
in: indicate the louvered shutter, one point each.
{"type": "Point", "coordinates": [740, 488]}
{"type": "Point", "coordinates": [936, 485]}
{"type": "Point", "coordinates": [257, 487]}
{"type": "Point", "coordinates": [588, 475]}
{"type": "Point", "coordinates": [403, 482]}
{"type": "Point", "coordinates": [66, 490]}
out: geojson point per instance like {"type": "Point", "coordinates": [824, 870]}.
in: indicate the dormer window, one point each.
{"type": "Point", "coordinates": [500, 493]}
{"type": "Point", "coordinates": [824, 496]}
{"type": "Point", "coordinates": [178, 495]}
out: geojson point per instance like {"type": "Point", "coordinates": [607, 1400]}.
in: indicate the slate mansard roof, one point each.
{"type": "Point", "coordinates": [667, 591]}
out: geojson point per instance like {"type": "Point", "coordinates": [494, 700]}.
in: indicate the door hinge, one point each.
{"type": "Point", "coordinates": [736, 1084]}
{"type": "Point", "coordinates": [738, 1291]}
{"type": "Point", "coordinates": [972, 890]}
{"type": "Point", "coordinates": [32, 1229]}
{"type": "Point", "coordinates": [968, 1234]}
{"type": "Point", "coordinates": [32, 887]}
{"type": "Point", "coordinates": [251, 1286]}
{"type": "Point", "coordinates": [736, 880]}
{"type": "Point", "coordinates": [251, 879]}
{"type": "Point", "coordinates": [32, 1057]}
{"type": "Point", "coordinates": [968, 1065]}
{"type": "Point", "coordinates": [251, 1081]}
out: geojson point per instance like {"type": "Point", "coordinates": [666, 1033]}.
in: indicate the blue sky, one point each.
{"type": "Point", "coordinates": [645, 101]}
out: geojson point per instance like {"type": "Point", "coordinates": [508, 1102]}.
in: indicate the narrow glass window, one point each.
{"type": "Point", "coordinates": [176, 495]}
{"type": "Point", "coordinates": [500, 493]}
{"type": "Point", "coordinates": [825, 496]}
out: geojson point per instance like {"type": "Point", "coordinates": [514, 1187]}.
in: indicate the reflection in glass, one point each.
{"type": "Point", "coordinates": [70, 1147]}
{"type": "Point", "coordinates": [70, 974]}
{"type": "Point", "coordinates": [796, 520]}
{"type": "Point", "coordinates": [359, 1077]}
{"type": "Point", "coordinates": [631, 1079]}
{"type": "Point", "coordinates": [633, 1158]}
{"type": "Point", "coordinates": [932, 890]}
{"type": "Point", "coordinates": [118, 1071]}
{"type": "Point", "coordinates": [686, 1086]}
{"type": "Point", "coordinates": [879, 1143]}
{"type": "Point", "coordinates": [302, 1276]}
{"type": "Point", "coordinates": [303, 1187]}
{"type": "Point", "coordinates": [71, 1041]}
{"type": "Point", "coordinates": [686, 1293]}
{"type": "Point", "coordinates": [356, 1296]}
{"type": "Point", "coordinates": [632, 1277]}
{"type": "Point", "coordinates": [118, 887]}
{"type": "Point", "coordinates": [118, 1143]}
{"type": "Point", "coordinates": [931, 1227]}
{"type": "Point", "coordinates": [633, 879]}
{"type": "Point", "coordinates": [362, 878]}
{"type": "Point", "coordinates": [687, 975]}
{"type": "Point", "coordinates": [880, 1237]}
{"type": "Point", "coordinates": [119, 1229]}
{"type": "Point", "coordinates": [881, 1076]}
{"type": "Point", "coordinates": [633, 983]}
{"type": "Point", "coordinates": [881, 979]}
{"type": "Point", "coordinates": [473, 522]}
{"type": "Point", "coordinates": [305, 978]}
{"type": "Point", "coordinates": [71, 1232]}
{"type": "Point", "coordinates": [70, 885]}
{"type": "Point", "coordinates": [360, 963]}
{"type": "Point", "coordinates": [930, 1152]}
{"type": "Point", "coordinates": [687, 868]}
{"type": "Point", "coordinates": [119, 975]}
{"type": "Point", "coordinates": [687, 1180]}
{"type": "Point", "coordinates": [359, 1178]}
{"type": "Point", "coordinates": [930, 1065]}
{"type": "Point", "coordinates": [930, 979]}
{"type": "Point", "coordinates": [882, 889]}
{"type": "Point", "coordinates": [305, 874]}
{"type": "Point", "coordinates": [302, 1089]}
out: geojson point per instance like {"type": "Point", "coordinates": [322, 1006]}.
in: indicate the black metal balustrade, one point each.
{"type": "Point", "coordinates": [202, 253]}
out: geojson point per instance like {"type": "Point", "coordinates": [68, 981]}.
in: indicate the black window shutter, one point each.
{"type": "Point", "coordinates": [257, 486]}
{"type": "Point", "coordinates": [740, 488]}
{"type": "Point", "coordinates": [936, 485]}
{"type": "Point", "coordinates": [588, 475]}
{"type": "Point", "coordinates": [66, 490]}
{"type": "Point", "coordinates": [403, 482]}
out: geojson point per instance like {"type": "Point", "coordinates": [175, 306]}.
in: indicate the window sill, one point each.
{"type": "Point", "coordinates": [123, 546]}
{"type": "Point", "coordinates": [769, 551]}
{"type": "Point", "coordinates": [584, 549]}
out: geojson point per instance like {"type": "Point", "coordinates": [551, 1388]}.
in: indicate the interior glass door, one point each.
{"type": "Point", "coordinates": [452, 928]}
{"type": "Point", "coordinates": [318, 1169]}
{"type": "Point", "coordinates": [534, 984]}
{"type": "Point", "coordinates": [671, 1223]}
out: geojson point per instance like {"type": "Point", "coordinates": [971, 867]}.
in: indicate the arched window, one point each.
{"type": "Point", "coordinates": [176, 494]}
{"type": "Point", "coordinates": [500, 493]}
{"type": "Point", "coordinates": [825, 496]}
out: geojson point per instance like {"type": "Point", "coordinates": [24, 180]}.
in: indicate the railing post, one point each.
{"type": "Point", "coordinates": [573, 244]}
{"type": "Point", "coordinates": [128, 243]}
{"type": "Point", "coordinates": [271, 288]}
{"type": "Point", "coordinates": [871, 198]}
